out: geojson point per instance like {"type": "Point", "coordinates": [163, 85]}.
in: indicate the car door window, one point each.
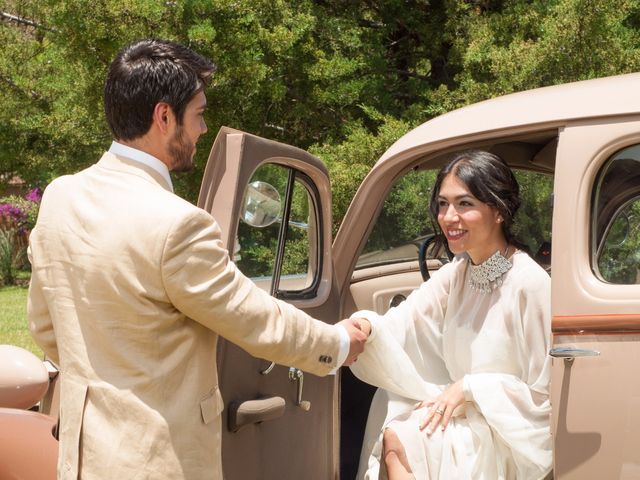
{"type": "Point", "coordinates": [403, 223]}
{"type": "Point", "coordinates": [615, 244]}
{"type": "Point", "coordinates": [532, 224]}
{"type": "Point", "coordinates": [277, 236]}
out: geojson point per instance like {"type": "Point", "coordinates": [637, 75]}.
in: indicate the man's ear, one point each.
{"type": "Point", "coordinates": [162, 116]}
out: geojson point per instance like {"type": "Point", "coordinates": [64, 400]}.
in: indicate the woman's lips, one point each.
{"type": "Point", "coordinates": [455, 234]}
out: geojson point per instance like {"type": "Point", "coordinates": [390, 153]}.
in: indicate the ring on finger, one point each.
{"type": "Point", "coordinates": [439, 411]}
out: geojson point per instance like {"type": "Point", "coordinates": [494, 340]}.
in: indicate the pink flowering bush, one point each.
{"type": "Point", "coordinates": [20, 212]}
{"type": "Point", "coordinates": [17, 218]}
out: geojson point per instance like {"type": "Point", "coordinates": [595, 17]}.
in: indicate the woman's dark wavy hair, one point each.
{"type": "Point", "coordinates": [489, 179]}
{"type": "Point", "coordinates": [148, 72]}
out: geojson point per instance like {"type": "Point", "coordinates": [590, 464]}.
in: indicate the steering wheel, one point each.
{"type": "Point", "coordinates": [422, 255]}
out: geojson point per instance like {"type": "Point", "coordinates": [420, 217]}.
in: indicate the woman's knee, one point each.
{"type": "Point", "coordinates": [395, 459]}
{"type": "Point", "coordinates": [390, 441]}
{"type": "Point", "coordinates": [392, 447]}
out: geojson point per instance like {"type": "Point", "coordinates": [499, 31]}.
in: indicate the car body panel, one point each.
{"type": "Point", "coordinates": [28, 450]}
{"type": "Point", "coordinates": [596, 408]}
{"type": "Point", "coordinates": [582, 150]}
{"type": "Point", "coordinates": [596, 398]}
{"type": "Point", "coordinates": [530, 110]}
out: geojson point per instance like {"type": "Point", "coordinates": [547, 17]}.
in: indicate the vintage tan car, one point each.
{"type": "Point", "coordinates": [575, 147]}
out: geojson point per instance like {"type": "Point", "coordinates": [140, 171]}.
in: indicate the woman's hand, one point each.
{"type": "Point", "coordinates": [442, 408]}
{"type": "Point", "coordinates": [364, 325]}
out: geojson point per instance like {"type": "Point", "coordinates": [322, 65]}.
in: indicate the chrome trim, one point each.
{"type": "Point", "coordinates": [397, 299]}
{"type": "Point", "coordinates": [267, 370]}
{"type": "Point", "coordinates": [297, 375]}
{"type": "Point", "coordinates": [570, 352]}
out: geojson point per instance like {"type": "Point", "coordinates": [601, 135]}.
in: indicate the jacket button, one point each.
{"type": "Point", "coordinates": [325, 358]}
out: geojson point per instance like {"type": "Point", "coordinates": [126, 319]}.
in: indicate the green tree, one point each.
{"type": "Point", "coordinates": [350, 160]}
{"type": "Point", "coordinates": [287, 70]}
{"type": "Point", "coordinates": [308, 73]}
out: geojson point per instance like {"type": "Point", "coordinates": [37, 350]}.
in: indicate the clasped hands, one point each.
{"type": "Point", "coordinates": [358, 330]}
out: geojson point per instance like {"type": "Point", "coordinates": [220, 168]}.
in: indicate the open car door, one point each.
{"type": "Point", "coordinates": [273, 205]}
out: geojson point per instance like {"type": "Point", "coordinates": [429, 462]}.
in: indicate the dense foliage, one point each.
{"type": "Point", "coordinates": [344, 78]}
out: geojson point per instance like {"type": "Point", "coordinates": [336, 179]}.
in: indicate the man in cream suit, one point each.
{"type": "Point", "coordinates": [131, 288]}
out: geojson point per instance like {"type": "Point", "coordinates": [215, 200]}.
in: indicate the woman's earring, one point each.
{"type": "Point", "coordinates": [499, 220]}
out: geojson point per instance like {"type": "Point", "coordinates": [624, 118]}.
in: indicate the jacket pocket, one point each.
{"type": "Point", "coordinates": [211, 406]}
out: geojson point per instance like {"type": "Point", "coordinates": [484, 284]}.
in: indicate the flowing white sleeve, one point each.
{"type": "Point", "coordinates": [404, 352]}
{"type": "Point", "coordinates": [517, 409]}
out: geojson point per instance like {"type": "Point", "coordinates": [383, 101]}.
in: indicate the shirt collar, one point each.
{"type": "Point", "coordinates": [141, 157]}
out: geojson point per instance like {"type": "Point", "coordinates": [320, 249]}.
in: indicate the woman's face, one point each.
{"type": "Point", "coordinates": [469, 225]}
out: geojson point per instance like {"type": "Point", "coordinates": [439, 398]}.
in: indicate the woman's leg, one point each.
{"type": "Point", "coordinates": [395, 458]}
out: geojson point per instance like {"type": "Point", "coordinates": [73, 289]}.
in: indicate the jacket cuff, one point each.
{"type": "Point", "coordinates": [344, 348]}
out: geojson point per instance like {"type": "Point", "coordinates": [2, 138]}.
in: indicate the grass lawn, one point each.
{"type": "Point", "coordinates": [13, 319]}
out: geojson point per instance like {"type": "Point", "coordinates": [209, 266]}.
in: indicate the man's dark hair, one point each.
{"type": "Point", "coordinates": [148, 72]}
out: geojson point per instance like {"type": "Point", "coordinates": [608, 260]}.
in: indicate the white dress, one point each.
{"type": "Point", "coordinates": [497, 343]}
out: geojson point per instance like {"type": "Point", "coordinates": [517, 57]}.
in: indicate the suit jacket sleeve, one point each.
{"type": "Point", "coordinates": [40, 323]}
{"type": "Point", "coordinates": [205, 285]}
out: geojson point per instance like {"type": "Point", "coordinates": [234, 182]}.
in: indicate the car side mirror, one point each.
{"type": "Point", "coordinates": [261, 204]}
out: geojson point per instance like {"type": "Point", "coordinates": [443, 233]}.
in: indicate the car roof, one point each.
{"type": "Point", "coordinates": [547, 106]}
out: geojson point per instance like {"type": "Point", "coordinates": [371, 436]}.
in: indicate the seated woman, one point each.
{"type": "Point", "coordinates": [470, 345]}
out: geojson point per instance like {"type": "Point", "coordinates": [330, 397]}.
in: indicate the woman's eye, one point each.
{"type": "Point", "coordinates": [442, 203]}
{"type": "Point", "coordinates": [465, 203]}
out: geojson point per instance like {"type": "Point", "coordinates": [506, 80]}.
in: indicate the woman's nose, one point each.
{"type": "Point", "coordinates": [450, 214]}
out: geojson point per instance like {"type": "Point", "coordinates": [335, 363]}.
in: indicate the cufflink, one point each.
{"type": "Point", "coordinates": [325, 358]}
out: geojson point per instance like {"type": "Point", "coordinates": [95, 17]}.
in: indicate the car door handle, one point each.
{"type": "Point", "coordinates": [570, 352]}
{"type": "Point", "coordinates": [247, 412]}
{"type": "Point", "coordinates": [297, 375]}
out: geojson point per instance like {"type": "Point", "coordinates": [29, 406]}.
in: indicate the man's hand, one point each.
{"type": "Point", "coordinates": [357, 338]}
